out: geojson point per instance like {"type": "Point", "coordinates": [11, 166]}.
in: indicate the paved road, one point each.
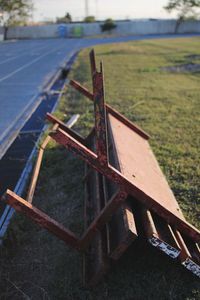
{"type": "Point", "coordinates": [25, 68]}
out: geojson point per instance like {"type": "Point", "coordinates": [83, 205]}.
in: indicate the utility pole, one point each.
{"type": "Point", "coordinates": [97, 13]}
{"type": "Point", "coordinates": [86, 8]}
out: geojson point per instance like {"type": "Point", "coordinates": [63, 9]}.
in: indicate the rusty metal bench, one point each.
{"type": "Point", "coordinates": [121, 166]}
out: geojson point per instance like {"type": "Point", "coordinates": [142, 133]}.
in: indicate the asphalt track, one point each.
{"type": "Point", "coordinates": [26, 67]}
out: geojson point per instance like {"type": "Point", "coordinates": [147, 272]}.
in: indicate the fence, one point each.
{"type": "Point", "coordinates": [137, 27]}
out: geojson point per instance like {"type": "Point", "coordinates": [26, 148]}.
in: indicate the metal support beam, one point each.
{"type": "Point", "coordinates": [40, 218]}
{"type": "Point", "coordinates": [37, 167]}
{"type": "Point", "coordinates": [64, 127]}
{"type": "Point", "coordinates": [99, 111]}
{"type": "Point", "coordinates": [38, 163]}
{"type": "Point", "coordinates": [81, 89]}
{"type": "Point", "coordinates": [103, 217]}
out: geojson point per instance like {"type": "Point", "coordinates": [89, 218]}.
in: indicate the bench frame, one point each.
{"type": "Point", "coordinates": [98, 160]}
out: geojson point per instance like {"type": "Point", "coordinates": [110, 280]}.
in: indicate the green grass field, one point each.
{"type": "Point", "coordinates": [36, 265]}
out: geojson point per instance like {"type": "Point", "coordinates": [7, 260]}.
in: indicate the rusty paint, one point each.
{"type": "Point", "coordinates": [81, 89]}
{"type": "Point", "coordinates": [92, 62]}
{"type": "Point", "coordinates": [40, 218]}
{"type": "Point", "coordinates": [64, 127]}
{"type": "Point", "coordinates": [95, 259]}
{"type": "Point", "coordinates": [104, 216]}
{"type": "Point", "coordinates": [37, 167]}
{"type": "Point", "coordinates": [100, 117]}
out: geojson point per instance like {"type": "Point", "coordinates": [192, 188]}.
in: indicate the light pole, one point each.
{"type": "Point", "coordinates": [86, 8]}
{"type": "Point", "coordinates": [97, 9]}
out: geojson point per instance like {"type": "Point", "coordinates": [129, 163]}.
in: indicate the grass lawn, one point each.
{"type": "Point", "coordinates": [36, 265]}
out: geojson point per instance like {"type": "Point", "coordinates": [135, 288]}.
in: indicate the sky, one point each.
{"type": "Point", "coordinates": [101, 9]}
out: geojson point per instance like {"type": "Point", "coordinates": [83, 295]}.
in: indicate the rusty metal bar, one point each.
{"type": "Point", "coordinates": [100, 239]}
{"type": "Point", "coordinates": [35, 176]}
{"type": "Point", "coordinates": [92, 62]}
{"type": "Point", "coordinates": [38, 163]}
{"type": "Point", "coordinates": [95, 259]}
{"type": "Point", "coordinates": [111, 173]}
{"type": "Point", "coordinates": [81, 89]}
{"type": "Point", "coordinates": [85, 221]}
{"type": "Point", "coordinates": [64, 127]}
{"type": "Point", "coordinates": [37, 167]}
{"type": "Point", "coordinates": [100, 116]}
{"type": "Point", "coordinates": [110, 110]}
{"type": "Point", "coordinates": [105, 201]}
{"type": "Point", "coordinates": [40, 218]}
{"type": "Point", "coordinates": [104, 216]}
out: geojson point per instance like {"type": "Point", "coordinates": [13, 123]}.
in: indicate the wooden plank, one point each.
{"type": "Point", "coordinates": [153, 230]}
{"type": "Point", "coordinates": [40, 218]}
{"type": "Point", "coordinates": [127, 122]}
{"type": "Point", "coordinates": [139, 166]}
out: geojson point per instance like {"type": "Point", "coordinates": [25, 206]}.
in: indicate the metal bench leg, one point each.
{"type": "Point", "coordinates": [41, 218]}
{"type": "Point", "coordinates": [113, 204]}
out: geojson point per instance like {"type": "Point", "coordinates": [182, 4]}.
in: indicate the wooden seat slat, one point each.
{"type": "Point", "coordinates": [139, 165]}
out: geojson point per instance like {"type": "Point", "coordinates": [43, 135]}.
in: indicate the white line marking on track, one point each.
{"type": "Point", "coordinates": [27, 65]}
{"type": "Point", "coordinates": [17, 56]}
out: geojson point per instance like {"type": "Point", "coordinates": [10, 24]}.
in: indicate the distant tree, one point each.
{"type": "Point", "coordinates": [108, 25]}
{"type": "Point", "coordinates": [186, 9]}
{"type": "Point", "coordinates": [14, 12]}
{"type": "Point", "coordinates": [66, 19]}
{"type": "Point", "coordinates": [89, 19]}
